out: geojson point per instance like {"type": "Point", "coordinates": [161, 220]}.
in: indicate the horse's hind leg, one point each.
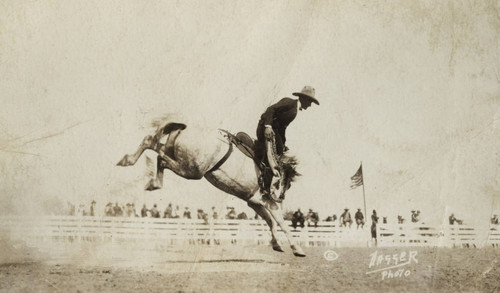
{"type": "Point", "coordinates": [262, 212]}
{"type": "Point", "coordinates": [147, 143]}
{"type": "Point", "coordinates": [157, 181]}
{"type": "Point", "coordinates": [161, 162]}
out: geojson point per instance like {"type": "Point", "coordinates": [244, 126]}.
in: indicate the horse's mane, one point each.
{"type": "Point", "coordinates": [290, 167]}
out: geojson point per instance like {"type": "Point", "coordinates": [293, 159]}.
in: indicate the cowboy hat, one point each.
{"type": "Point", "coordinates": [307, 92]}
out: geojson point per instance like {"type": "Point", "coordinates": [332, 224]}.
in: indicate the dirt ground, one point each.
{"type": "Point", "coordinates": [140, 267]}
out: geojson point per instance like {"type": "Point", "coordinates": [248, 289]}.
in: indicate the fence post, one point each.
{"type": "Point", "coordinates": [79, 229]}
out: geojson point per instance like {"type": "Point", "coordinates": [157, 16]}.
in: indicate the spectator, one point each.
{"type": "Point", "coordinates": [187, 213]}
{"type": "Point", "coordinates": [298, 218]}
{"type": "Point", "coordinates": [81, 210]}
{"type": "Point", "coordinates": [71, 208]}
{"type": "Point", "coordinates": [199, 214]}
{"type": "Point", "coordinates": [452, 219]}
{"type": "Point", "coordinates": [312, 217]}
{"type": "Point", "coordinates": [144, 211]}
{"type": "Point", "coordinates": [155, 213]}
{"type": "Point", "coordinates": [168, 211]}
{"type": "Point", "coordinates": [231, 215]}
{"type": "Point", "coordinates": [117, 210]}
{"type": "Point", "coordinates": [401, 220]}
{"type": "Point", "coordinates": [92, 208]}
{"type": "Point", "coordinates": [132, 207]}
{"type": "Point", "coordinates": [242, 216]}
{"type": "Point", "coordinates": [415, 216]}
{"type": "Point", "coordinates": [345, 218]}
{"type": "Point", "coordinates": [374, 226]}
{"type": "Point", "coordinates": [495, 220]}
{"type": "Point", "coordinates": [204, 216]}
{"type": "Point", "coordinates": [176, 213]}
{"type": "Point", "coordinates": [215, 216]}
{"type": "Point", "coordinates": [384, 220]}
{"type": "Point", "coordinates": [360, 219]}
{"type": "Point", "coordinates": [129, 211]}
{"type": "Point", "coordinates": [108, 210]}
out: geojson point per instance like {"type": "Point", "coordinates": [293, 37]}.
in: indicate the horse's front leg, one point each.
{"type": "Point", "coordinates": [262, 212]}
{"type": "Point", "coordinates": [130, 159]}
{"type": "Point", "coordinates": [275, 211]}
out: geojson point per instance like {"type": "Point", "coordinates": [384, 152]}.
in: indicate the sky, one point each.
{"type": "Point", "coordinates": [410, 89]}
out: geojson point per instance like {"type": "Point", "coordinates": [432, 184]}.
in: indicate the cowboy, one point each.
{"type": "Point", "coordinates": [271, 133]}
{"type": "Point", "coordinates": [298, 218]}
{"type": "Point", "coordinates": [360, 219]}
{"type": "Point", "coordinates": [345, 218]}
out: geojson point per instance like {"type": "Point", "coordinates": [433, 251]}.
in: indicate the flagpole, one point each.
{"type": "Point", "coordinates": [364, 198]}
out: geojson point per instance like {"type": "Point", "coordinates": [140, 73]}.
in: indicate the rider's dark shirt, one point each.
{"type": "Point", "coordinates": [279, 116]}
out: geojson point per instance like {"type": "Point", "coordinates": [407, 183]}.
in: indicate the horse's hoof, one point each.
{"type": "Point", "coordinates": [277, 247]}
{"type": "Point", "coordinates": [124, 162]}
{"type": "Point", "coordinates": [152, 185]}
{"type": "Point", "coordinates": [297, 251]}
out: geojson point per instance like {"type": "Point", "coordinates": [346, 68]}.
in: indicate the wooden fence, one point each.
{"type": "Point", "coordinates": [443, 236]}
{"type": "Point", "coordinates": [221, 232]}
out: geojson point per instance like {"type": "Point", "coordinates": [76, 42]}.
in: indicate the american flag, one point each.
{"type": "Point", "coordinates": [357, 179]}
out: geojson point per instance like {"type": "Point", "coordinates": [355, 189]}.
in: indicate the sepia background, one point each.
{"type": "Point", "coordinates": [409, 88]}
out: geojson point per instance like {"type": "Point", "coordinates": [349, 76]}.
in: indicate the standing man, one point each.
{"type": "Point", "coordinates": [374, 226]}
{"type": "Point", "coordinates": [92, 208]}
{"type": "Point", "coordinates": [271, 132]}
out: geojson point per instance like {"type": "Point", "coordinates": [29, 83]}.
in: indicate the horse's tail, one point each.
{"type": "Point", "coordinates": [163, 120]}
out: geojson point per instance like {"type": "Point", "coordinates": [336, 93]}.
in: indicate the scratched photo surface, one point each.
{"type": "Point", "coordinates": [406, 134]}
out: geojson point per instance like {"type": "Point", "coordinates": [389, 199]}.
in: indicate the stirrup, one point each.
{"type": "Point", "coordinates": [268, 197]}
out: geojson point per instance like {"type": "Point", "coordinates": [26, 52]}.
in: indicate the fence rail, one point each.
{"type": "Point", "coordinates": [181, 231]}
{"type": "Point", "coordinates": [445, 236]}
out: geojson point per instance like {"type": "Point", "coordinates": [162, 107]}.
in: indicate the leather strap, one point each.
{"type": "Point", "coordinates": [224, 159]}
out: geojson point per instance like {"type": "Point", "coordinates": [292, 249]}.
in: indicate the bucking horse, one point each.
{"type": "Point", "coordinates": [194, 153]}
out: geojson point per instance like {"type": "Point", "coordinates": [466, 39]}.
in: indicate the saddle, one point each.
{"type": "Point", "coordinates": [247, 146]}
{"type": "Point", "coordinates": [243, 142]}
